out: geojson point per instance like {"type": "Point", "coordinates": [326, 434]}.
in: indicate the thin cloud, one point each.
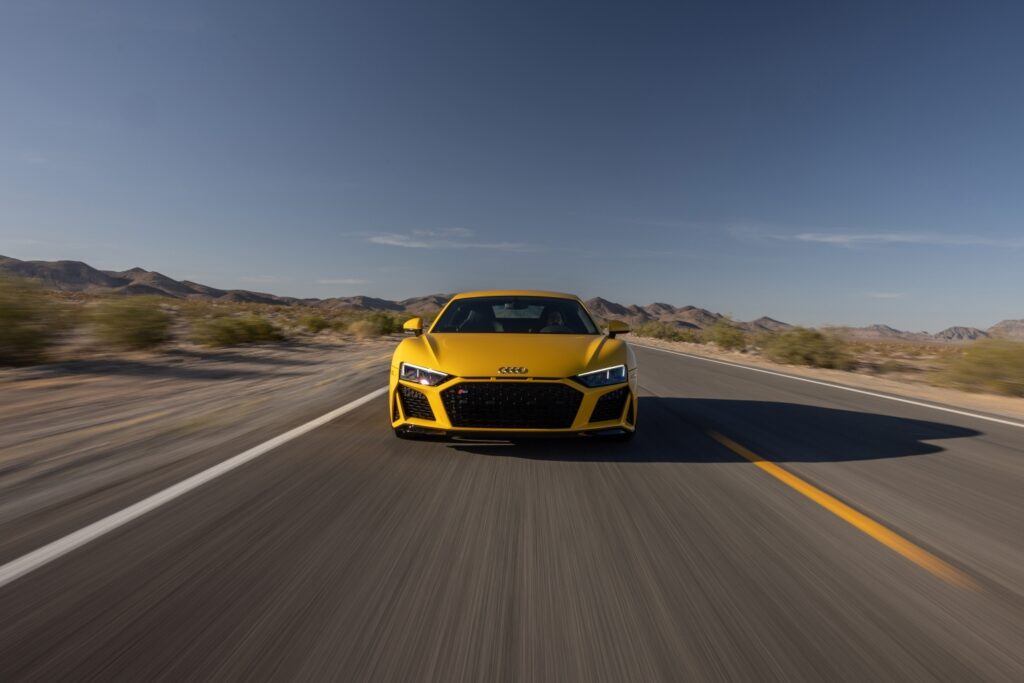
{"type": "Point", "coordinates": [342, 281]}
{"type": "Point", "coordinates": [850, 240]}
{"type": "Point", "coordinates": [447, 233]}
{"type": "Point", "coordinates": [451, 238]}
{"type": "Point", "coordinates": [885, 295]}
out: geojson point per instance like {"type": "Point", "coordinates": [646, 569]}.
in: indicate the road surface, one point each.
{"type": "Point", "coordinates": [757, 528]}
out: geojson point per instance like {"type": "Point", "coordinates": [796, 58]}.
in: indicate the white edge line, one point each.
{"type": "Point", "coordinates": [15, 569]}
{"type": "Point", "coordinates": [944, 409]}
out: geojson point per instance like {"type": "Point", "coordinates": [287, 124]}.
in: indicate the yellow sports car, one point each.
{"type": "Point", "coordinates": [514, 363]}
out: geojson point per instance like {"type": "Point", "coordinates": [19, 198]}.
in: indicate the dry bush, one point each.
{"type": "Point", "coordinates": [231, 330]}
{"type": "Point", "coordinates": [889, 365]}
{"type": "Point", "coordinates": [993, 366]}
{"type": "Point", "coordinates": [802, 346]}
{"type": "Point", "coordinates": [374, 325]}
{"type": "Point", "coordinates": [29, 322]}
{"type": "Point", "coordinates": [726, 335]}
{"type": "Point", "coordinates": [659, 329]}
{"type": "Point", "coordinates": [761, 339]}
{"type": "Point", "coordinates": [362, 328]}
{"type": "Point", "coordinates": [691, 336]}
{"type": "Point", "coordinates": [315, 323]}
{"type": "Point", "coordinates": [132, 323]}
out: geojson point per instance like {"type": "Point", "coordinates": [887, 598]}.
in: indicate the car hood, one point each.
{"type": "Point", "coordinates": [543, 355]}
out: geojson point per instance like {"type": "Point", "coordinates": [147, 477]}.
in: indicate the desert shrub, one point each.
{"type": "Point", "coordinates": [802, 346]}
{"type": "Point", "coordinates": [228, 331]}
{"type": "Point", "coordinates": [315, 323]}
{"type": "Point", "coordinates": [374, 324]}
{"type": "Point", "coordinates": [726, 335]}
{"type": "Point", "coordinates": [659, 329]}
{"type": "Point", "coordinates": [131, 323]}
{"type": "Point", "coordinates": [363, 328]}
{"type": "Point", "coordinates": [889, 365]}
{"type": "Point", "coordinates": [762, 339]}
{"type": "Point", "coordinates": [194, 308]}
{"type": "Point", "coordinates": [691, 336]}
{"type": "Point", "coordinates": [29, 322]}
{"type": "Point", "coordinates": [994, 366]}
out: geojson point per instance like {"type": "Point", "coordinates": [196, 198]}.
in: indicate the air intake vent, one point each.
{"type": "Point", "coordinates": [609, 406]}
{"type": "Point", "coordinates": [415, 403]}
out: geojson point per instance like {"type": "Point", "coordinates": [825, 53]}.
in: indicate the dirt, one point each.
{"type": "Point", "coordinates": [118, 427]}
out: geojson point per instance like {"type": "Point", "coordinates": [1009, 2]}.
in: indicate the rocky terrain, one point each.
{"type": "Point", "coordinates": [75, 276]}
{"type": "Point", "coordinates": [958, 333]}
{"type": "Point", "coordinates": [1008, 329]}
{"type": "Point", "coordinates": [685, 317]}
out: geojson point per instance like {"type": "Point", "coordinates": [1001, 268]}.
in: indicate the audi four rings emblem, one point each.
{"type": "Point", "coordinates": [513, 371]}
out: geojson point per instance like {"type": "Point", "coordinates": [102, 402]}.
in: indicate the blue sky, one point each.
{"type": "Point", "coordinates": [809, 161]}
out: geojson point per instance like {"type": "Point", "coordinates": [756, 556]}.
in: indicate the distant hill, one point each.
{"type": "Point", "coordinates": [360, 303]}
{"type": "Point", "coordinates": [685, 317]}
{"type": "Point", "coordinates": [420, 305]}
{"type": "Point", "coordinates": [957, 333]}
{"type": "Point", "coordinates": [1008, 329]}
{"type": "Point", "coordinates": [75, 276]}
{"type": "Point", "coordinates": [62, 275]}
{"type": "Point", "coordinates": [879, 333]}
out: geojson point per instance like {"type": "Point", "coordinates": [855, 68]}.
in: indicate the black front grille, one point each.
{"type": "Point", "coordinates": [609, 406]}
{"type": "Point", "coordinates": [511, 405]}
{"type": "Point", "coordinates": [415, 403]}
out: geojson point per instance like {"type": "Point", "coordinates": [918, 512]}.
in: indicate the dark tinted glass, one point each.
{"type": "Point", "coordinates": [517, 315]}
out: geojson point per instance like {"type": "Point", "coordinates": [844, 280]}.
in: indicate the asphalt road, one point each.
{"type": "Point", "coordinates": [347, 554]}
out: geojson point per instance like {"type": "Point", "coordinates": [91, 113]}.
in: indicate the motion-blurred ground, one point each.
{"type": "Point", "coordinates": [102, 433]}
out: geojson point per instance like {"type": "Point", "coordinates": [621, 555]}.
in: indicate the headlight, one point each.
{"type": "Point", "coordinates": [414, 373]}
{"type": "Point", "coordinates": [603, 377]}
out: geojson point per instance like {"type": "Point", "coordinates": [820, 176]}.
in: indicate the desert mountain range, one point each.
{"type": "Point", "coordinates": [75, 276]}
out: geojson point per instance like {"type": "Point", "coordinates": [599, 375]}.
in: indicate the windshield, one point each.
{"type": "Point", "coordinates": [517, 315]}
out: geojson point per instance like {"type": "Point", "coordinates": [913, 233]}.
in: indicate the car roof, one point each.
{"type": "Point", "coordinates": [515, 292]}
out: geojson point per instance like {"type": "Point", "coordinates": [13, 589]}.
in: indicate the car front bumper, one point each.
{"type": "Point", "coordinates": [512, 408]}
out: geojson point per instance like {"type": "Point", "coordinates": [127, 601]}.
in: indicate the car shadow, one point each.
{"type": "Point", "coordinates": [675, 430]}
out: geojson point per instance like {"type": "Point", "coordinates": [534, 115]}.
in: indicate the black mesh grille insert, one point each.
{"type": "Point", "coordinates": [415, 403]}
{"type": "Point", "coordinates": [609, 406]}
{"type": "Point", "coordinates": [512, 405]}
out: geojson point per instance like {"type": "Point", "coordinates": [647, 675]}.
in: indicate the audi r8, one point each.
{"type": "Point", "coordinates": [513, 363]}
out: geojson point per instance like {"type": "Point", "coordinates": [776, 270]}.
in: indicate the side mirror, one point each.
{"type": "Point", "coordinates": [413, 326]}
{"type": "Point", "coordinates": [617, 327]}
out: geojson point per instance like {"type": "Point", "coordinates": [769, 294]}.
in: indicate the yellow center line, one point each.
{"type": "Point", "coordinates": [883, 535]}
